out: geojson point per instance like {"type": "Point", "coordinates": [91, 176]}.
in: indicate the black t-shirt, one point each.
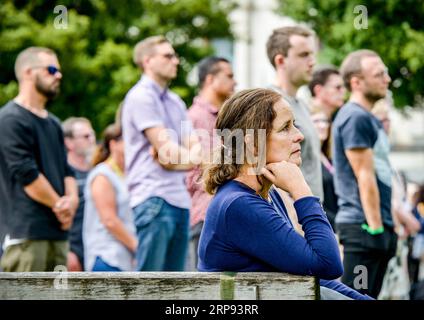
{"type": "Point", "coordinates": [30, 145]}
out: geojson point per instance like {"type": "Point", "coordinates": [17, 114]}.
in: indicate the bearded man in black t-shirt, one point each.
{"type": "Point", "coordinates": [38, 193]}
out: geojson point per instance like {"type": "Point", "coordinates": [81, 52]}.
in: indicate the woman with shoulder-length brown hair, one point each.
{"type": "Point", "coordinates": [247, 227]}
{"type": "Point", "coordinates": [108, 227]}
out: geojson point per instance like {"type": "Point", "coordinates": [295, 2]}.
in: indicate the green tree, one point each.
{"type": "Point", "coordinates": [95, 48]}
{"type": "Point", "coordinates": [393, 28]}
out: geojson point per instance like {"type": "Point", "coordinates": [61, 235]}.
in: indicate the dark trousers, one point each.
{"type": "Point", "coordinates": [365, 257]}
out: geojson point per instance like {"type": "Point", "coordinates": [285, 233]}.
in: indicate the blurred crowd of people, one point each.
{"type": "Point", "coordinates": [147, 196]}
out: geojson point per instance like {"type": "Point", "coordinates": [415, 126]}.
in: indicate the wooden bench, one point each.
{"type": "Point", "coordinates": [157, 286]}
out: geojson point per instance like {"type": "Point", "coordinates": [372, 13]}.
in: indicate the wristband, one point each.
{"type": "Point", "coordinates": [372, 232]}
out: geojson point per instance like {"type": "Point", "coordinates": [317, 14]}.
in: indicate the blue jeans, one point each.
{"type": "Point", "coordinates": [163, 233]}
{"type": "Point", "coordinates": [101, 265]}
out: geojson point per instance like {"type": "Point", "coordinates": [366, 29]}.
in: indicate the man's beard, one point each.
{"type": "Point", "coordinates": [49, 92]}
{"type": "Point", "coordinates": [373, 96]}
{"type": "Point", "coordinates": [87, 153]}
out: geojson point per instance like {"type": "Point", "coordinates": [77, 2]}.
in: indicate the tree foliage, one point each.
{"type": "Point", "coordinates": [95, 50]}
{"type": "Point", "coordinates": [394, 30]}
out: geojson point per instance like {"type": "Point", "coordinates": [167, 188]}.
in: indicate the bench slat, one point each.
{"type": "Point", "coordinates": [154, 285]}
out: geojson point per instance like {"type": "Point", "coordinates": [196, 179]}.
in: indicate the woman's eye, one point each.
{"type": "Point", "coordinates": [285, 128]}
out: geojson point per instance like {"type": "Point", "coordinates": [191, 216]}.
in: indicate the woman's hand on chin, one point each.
{"type": "Point", "coordinates": [288, 177]}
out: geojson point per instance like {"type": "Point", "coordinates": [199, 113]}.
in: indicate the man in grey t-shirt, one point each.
{"type": "Point", "coordinates": [291, 50]}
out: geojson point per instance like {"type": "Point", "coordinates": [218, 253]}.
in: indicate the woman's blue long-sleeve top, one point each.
{"type": "Point", "coordinates": [243, 232]}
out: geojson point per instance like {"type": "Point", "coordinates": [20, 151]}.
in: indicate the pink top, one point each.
{"type": "Point", "coordinates": [203, 116]}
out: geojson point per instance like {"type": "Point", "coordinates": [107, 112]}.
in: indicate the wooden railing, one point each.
{"type": "Point", "coordinates": [157, 286]}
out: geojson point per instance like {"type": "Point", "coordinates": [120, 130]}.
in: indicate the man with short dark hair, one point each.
{"type": "Point", "coordinates": [80, 141]}
{"type": "Point", "coordinates": [216, 83]}
{"type": "Point", "coordinates": [159, 148]}
{"type": "Point", "coordinates": [363, 175]}
{"type": "Point", "coordinates": [291, 51]}
{"type": "Point", "coordinates": [38, 192]}
{"type": "Point", "coordinates": [327, 90]}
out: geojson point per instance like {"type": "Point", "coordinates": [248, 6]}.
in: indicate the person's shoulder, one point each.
{"type": "Point", "coordinates": [135, 102]}
{"type": "Point", "coordinates": [351, 112]}
{"type": "Point", "coordinates": [196, 112]}
{"type": "Point", "coordinates": [235, 197]}
{"type": "Point", "coordinates": [55, 120]}
{"type": "Point", "coordinates": [102, 166]}
{"type": "Point", "coordinates": [139, 93]}
{"type": "Point", "coordinates": [9, 109]}
{"type": "Point", "coordinates": [100, 169]}
{"type": "Point", "coordinates": [195, 107]}
{"type": "Point", "coordinates": [302, 103]}
{"type": "Point", "coordinates": [6, 107]}
{"type": "Point", "coordinates": [354, 109]}
{"type": "Point", "coordinates": [12, 116]}
{"type": "Point", "coordinates": [177, 99]}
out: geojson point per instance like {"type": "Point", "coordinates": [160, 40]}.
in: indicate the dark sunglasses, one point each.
{"type": "Point", "coordinates": [53, 70]}
{"type": "Point", "coordinates": [50, 69]}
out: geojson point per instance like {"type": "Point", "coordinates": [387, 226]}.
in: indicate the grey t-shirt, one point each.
{"type": "Point", "coordinates": [311, 163]}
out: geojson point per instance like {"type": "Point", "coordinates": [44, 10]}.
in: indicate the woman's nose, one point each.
{"type": "Point", "coordinates": [299, 137]}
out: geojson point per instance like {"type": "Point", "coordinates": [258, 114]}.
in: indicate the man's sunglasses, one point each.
{"type": "Point", "coordinates": [50, 69]}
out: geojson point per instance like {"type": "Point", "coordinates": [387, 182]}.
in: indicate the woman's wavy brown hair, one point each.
{"type": "Point", "coordinates": [247, 109]}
